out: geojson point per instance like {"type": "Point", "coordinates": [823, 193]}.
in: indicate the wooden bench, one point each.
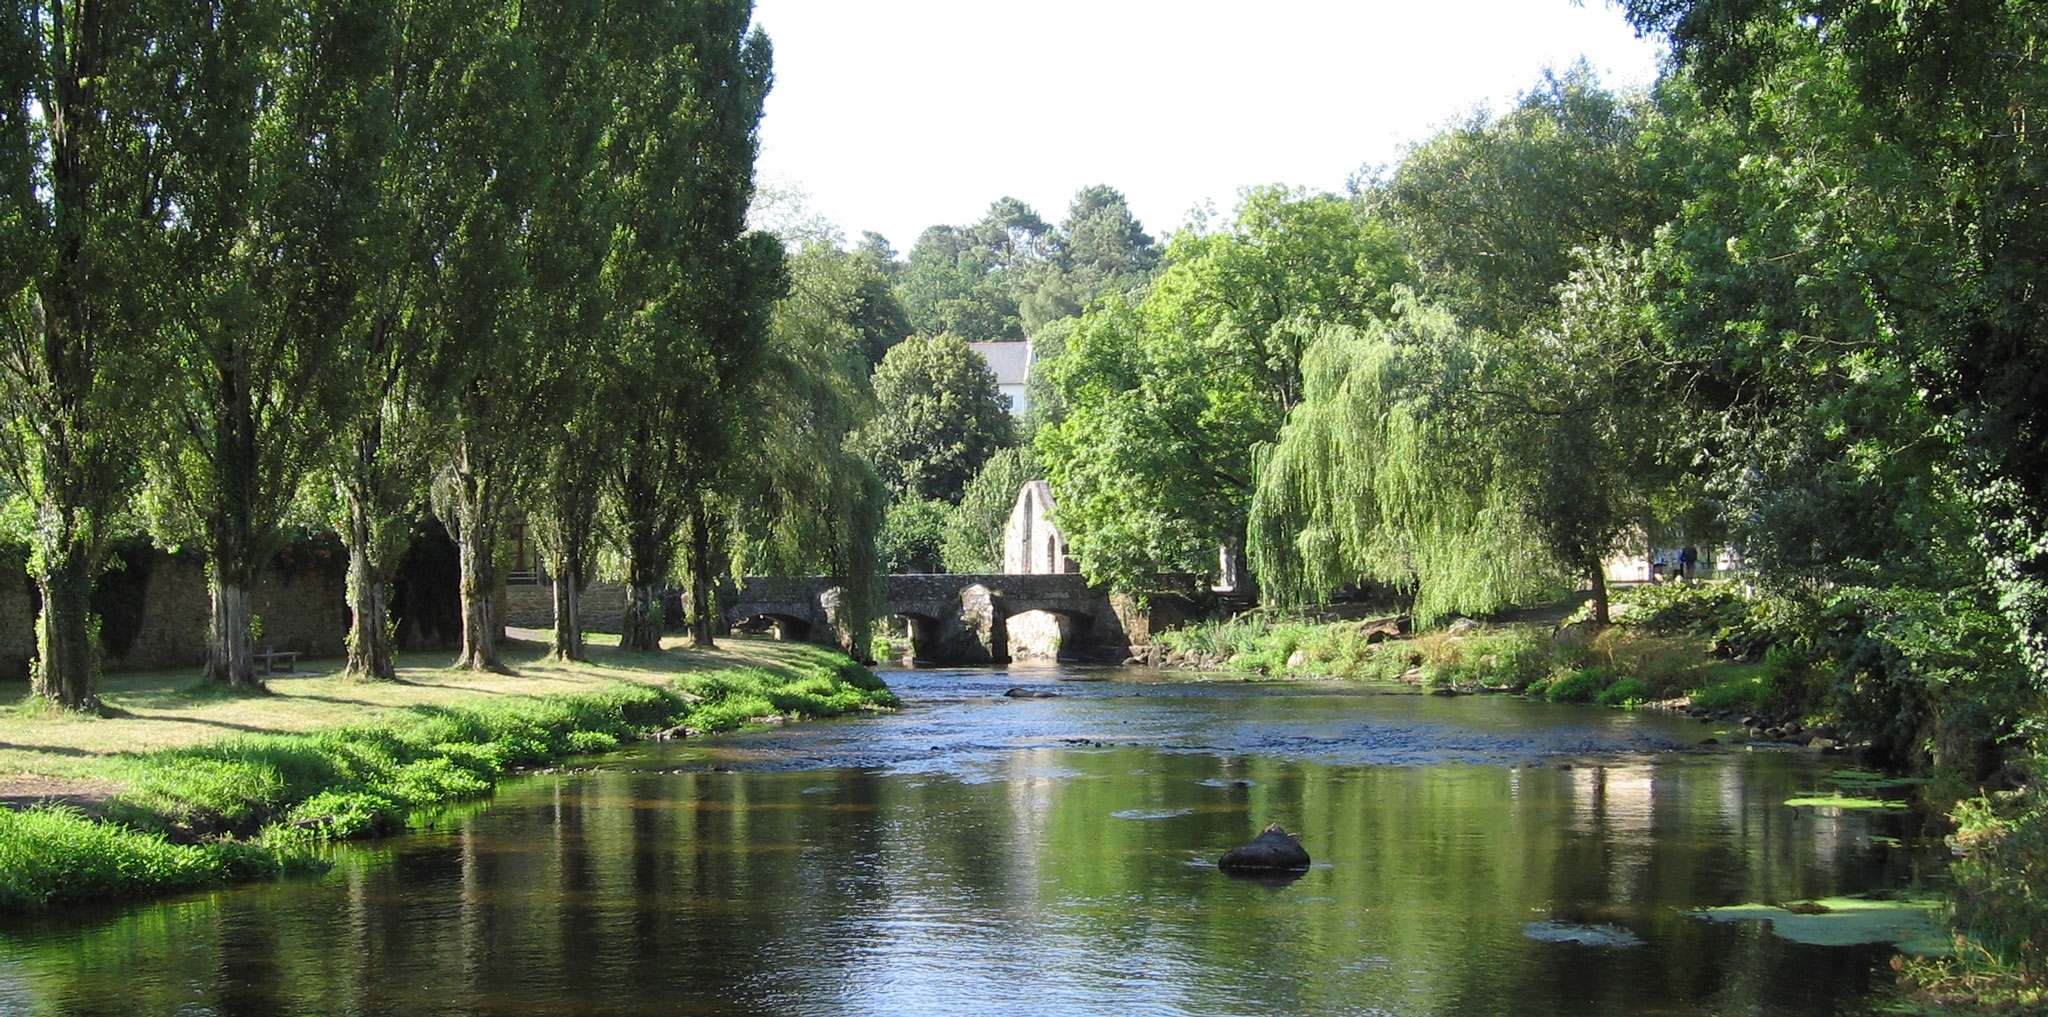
{"type": "Point", "coordinates": [270, 659]}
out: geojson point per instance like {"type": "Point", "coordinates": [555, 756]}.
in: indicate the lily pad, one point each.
{"type": "Point", "coordinates": [1908, 925]}
{"type": "Point", "coordinates": [1584, 935]}
{"type": "Point", "coordinates": [1844, 802]}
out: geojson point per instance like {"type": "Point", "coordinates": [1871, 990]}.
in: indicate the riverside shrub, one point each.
{"type": "Point", "coordinates": [1999, 904]}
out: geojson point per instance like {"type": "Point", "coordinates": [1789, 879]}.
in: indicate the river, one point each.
{"type": "Point", "coordinates": [979, 854]}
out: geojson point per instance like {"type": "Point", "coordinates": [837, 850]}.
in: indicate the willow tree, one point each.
{"type": "Point", "coordinates": [805, 503]}
{"type": "Point", "coordinates": [1478, 470]}
{"type": "Point", "coordinates": [85, 213]}
{"type": "Point", "coordinates": [1375, 477]}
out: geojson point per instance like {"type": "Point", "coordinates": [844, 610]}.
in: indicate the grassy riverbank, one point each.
{"type": "Point", "coordinates": [189, 785]}
{"type": "Point", "coordinates": [1622, 665]}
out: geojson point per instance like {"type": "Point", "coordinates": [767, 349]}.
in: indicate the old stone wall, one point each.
{"type": "Point", "coordinates": [302, 613]}
{"type": "Point", "coordinates": [17, 626]}
{"type": "Point", "coordinates": [305, 612]}
{"type": "Point", "coordinates": [532, 606]}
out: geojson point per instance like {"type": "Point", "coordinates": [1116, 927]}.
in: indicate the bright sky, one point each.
{"type": "Point", "coordinates": [895, 115]}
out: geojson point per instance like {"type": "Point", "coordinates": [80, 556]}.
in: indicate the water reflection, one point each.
{"type": "Point", "coordinates": [980, 854]}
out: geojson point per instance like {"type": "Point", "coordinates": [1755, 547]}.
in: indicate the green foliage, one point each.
{"type": "Point", "coordinates": [592, 741]}
{"type": "Point", "coordinates": [957, 279]}
{"type": "Point", "coordinates": [938, 418]}
{"type": "Point", "coordinates": [1098, 250]}
{"type": "Point", "coordinates": [1165, 401]}
{"type": "Point", "coordinates": [1624, 692]}
{"type": "Point", "coordinates": [1749, 692]}
{"type": "Point", "coordinates": [341, 815]}
{"type": "Point", "coordinates": [1374, 476]}
{"type": "Point", "coordinates": [2003, 842]}
{"type": "Point", "coordinates": [1496, 208]}
{"type": "Point", "coordinates": [1580, 686]}
{"type": "Point", "coordinates": [807, 503]}
{"type": "Point", "coordinates": [913, 537]}
{"type": "Point", "coordinates": [974, 528]}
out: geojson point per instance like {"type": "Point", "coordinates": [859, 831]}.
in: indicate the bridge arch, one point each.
{"type": "Point", "coordinates": [952, 618]}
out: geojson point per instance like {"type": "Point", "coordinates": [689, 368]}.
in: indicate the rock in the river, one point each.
{"type": "Point", "coordinates": [1031, 694]}
{"type": "Point", "coordinates": [1273, 848]}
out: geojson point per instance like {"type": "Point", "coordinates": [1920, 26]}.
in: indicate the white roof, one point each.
{"type": "Point", "coordinates": [1011, 362]}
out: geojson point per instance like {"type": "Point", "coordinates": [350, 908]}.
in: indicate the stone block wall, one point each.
{"type": "Point", "coordinates": [304, 613]}
{"type": "Point", "coordinates": [17, 626]}
{"type": "Point", "coordinates": [532, 606]}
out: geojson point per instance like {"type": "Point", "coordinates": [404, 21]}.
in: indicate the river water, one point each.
{"type": "Point", "coordinates": [978, 854]}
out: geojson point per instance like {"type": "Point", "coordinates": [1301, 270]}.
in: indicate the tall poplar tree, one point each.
{"type": "Point", "coordinates": [690, 289]}
{"type": "Point", "coordinates": [273, 174]}
{"type": "Point", "coordinates": [489, 168]}
{"type": "Point", "coordinates": [85, 211]}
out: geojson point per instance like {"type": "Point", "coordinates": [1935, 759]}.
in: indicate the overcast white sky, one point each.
{"type": "Point", "coordinates": [894, 115]}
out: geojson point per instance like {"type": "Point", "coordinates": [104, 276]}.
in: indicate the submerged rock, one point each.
{"type": "Point", "coordinates": [1273, 848]}
{"type": "Point", "coordinates": [1031, 694]}
{"type": "Point", "coordinates": [1584, 935]}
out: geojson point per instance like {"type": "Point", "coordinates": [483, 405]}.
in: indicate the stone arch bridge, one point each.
{"type": "Point", "coordinates": [962, 619]}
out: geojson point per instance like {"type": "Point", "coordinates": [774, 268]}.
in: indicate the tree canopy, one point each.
{"type": "Point", "coordinates": [938, 418]}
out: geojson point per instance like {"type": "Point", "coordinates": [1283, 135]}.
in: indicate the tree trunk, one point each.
{"type": "Point", "coordinates": [64, 666]}
{"type": "Point", "coordinates": [370, 656]}
{"type": "Point", "coordinates": [479, 617]}
{"type": "Point", "coordinates": [702, 610]}
{"type": "Point", "coordinates": [474, 506]}
{"type": "Point", "coordinates": [641, 628]}
{"type": "Point", "coordinates": [568, 615]}
{"type": "Point", "coordinates": [1598, 574]}
{"type": "Point", "coordinates": [648, 522]}
{"type": "Point", "coordinates": [230, 652]}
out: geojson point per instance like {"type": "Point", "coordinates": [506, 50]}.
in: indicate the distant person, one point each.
{"type": "Point", "coordinates": [1689, 563]}
{"type": "Point", "coordinates": [1657, 568]}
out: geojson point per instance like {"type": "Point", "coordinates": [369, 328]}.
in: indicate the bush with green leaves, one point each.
{"type": "Point", "coordinates": [2002, 841]}
{"type": "Point", "coordinates": [1745, 693]}
{"type": "Point", "coordinates": [913, 537]}
{"type": "Point", "coordinates": [1578, 687]}
{"type": "Point", "coordinates": [1624, 692]}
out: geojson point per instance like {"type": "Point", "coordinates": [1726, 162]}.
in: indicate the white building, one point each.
{"type": "Point", "coordinates": [1032, 545]}
{"type": "Point", "coordinates": [1011, 364]}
